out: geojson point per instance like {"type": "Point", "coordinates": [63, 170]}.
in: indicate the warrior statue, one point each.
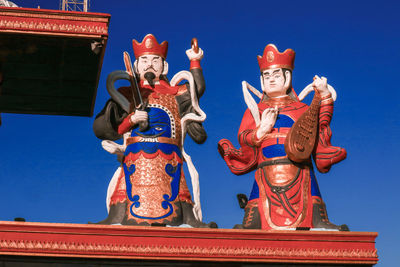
{"type": "Point", "coordinates": [278, 137]}
{"type": "Point", "coordinates": [152, 116]}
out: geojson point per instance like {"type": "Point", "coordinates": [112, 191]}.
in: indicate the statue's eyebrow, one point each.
{"type": "Point", "coordinates": [266, 73]}
{"type": "Point", "coordinates": [275, 71]}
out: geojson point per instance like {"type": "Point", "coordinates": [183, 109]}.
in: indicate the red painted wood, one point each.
{"type": "Point", "coordinates": [53, 22]}
{"type": "Point", "coordinates": [133, 242]}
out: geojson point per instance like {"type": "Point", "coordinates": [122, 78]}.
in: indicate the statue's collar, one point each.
{"type": "Point", "coordinates": [143, 83]}
{"type": "Point", "coordinates": [161, 87]}
{"type": "Point", "coordinates": [279, 101]}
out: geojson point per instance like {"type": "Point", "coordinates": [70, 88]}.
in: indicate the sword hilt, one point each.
{"type": "Point", "coordinates": [143, 125]}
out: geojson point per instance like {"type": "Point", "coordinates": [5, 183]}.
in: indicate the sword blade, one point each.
{"type": "Point", "coordinates": [137, 97]}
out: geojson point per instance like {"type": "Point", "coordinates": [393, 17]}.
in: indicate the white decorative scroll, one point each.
{"type": "Point", "coordinates": [250, 102]}
{"type": "Point", "coordinates": [114, 148]}
{"type": "Point", "coordinates": [194, 175]}
{"type": "Point", "coordinates": [309, 88]}
{"type": "Point", "coordinates": [111, 187]}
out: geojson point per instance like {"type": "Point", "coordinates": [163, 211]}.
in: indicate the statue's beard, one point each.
{"type": "Point", "coordinates": [149, 76]}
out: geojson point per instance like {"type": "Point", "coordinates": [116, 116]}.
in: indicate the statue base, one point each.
{"type": "Point", "coordinates": [85, 244]}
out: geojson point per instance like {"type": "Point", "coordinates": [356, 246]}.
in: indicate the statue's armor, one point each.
{"type": "Point", "coordinates": [150, 187]}
{"type": "Point", "coordinates": [153, 162]}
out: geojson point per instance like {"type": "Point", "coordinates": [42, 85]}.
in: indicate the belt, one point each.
{"type": "Point", "coordinates": [161, 139]}
{"type": "Point", "coordinates": [284, 161]}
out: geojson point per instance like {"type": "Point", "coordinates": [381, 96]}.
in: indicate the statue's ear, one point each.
{"type": "Point", "coordinates": [135, 66]}
{"type": "Point", "coordinates": [288, 76]}
{"type": "Point", "coordinates": [165, 69]}
{"type": "Point", "coordinates": [262, 83]}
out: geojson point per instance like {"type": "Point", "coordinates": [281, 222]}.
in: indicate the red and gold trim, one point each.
{"type": "Point", "coordinates": [158, 153]}
{"type": "Point", "coordinates": [150, 46]}
{"type": "Point", "coordinates": [272, 58]}
{"type": "Point", "coordinates": [190, 244]}
{"type": "Point", "coordinates": [161, 139]}
{"type": "Point", "coordinates": [53, 22]}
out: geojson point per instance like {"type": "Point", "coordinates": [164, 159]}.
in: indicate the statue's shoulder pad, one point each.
{"type": "Point", "coordinates": [125, 91]}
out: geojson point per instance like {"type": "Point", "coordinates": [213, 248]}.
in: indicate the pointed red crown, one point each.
{"type": "Point", "coordinates": [150, 46]}
{"type": "Point", "coordinates": [272, 58]}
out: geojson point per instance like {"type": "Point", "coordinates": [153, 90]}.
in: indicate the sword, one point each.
{"type": "Point", "coordinates": [137, 97]}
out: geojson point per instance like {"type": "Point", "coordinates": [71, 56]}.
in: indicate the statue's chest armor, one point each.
{"type": "Point", "coordinates": [169, 104]}
{"type": "Point", "coordinates": [153, 162]}
{"type": "Point", "coordinates": [273, 146]}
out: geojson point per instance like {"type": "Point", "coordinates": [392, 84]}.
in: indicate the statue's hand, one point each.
{"type": "Point", "coordinates": [268, 119]}
{"type": "Point", "coordinates": [138, 117]}
{"type": "Point", "coordinates": [192, 55]}
{"type": "Point", "coordinates": [321, 84]}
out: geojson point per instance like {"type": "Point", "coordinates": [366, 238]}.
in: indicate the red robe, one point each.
{"type": "Point", "coordinates": [285, 199]}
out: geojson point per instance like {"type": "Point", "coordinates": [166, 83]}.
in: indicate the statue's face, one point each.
{"type": "Point", "coordinates": [150, 63]}
{"type": "Point", "coordinates": [274, 82]}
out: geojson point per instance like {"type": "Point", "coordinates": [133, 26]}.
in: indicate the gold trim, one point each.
{"type": "Point", "coordinates": [161, 139]}
{"type": "Point", "coordinates": [53, 34]}
{"type": "Point", "coordinates": [151, 53]}
{"type": "Point", "coordinates": [129, 250]}
{"type": "Point", "coordinates": [278, 66]}
{"type": "Point", "coordinates": [64, 16]}
{"type": "Point", "coordinates": [277, 50]}
{"type": "Point", "coordinates": [53, 27]}
{"type": "Point", "coordinates": [276, 135]}
{"type": "Point", "coordinates": [330, 99]}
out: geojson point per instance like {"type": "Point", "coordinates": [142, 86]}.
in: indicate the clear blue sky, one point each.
{"type": "Point", "coordinates": [53, 168]}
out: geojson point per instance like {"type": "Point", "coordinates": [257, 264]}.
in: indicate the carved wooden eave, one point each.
{"type": "Point", "coordinates": [54, 22]}
{"type": "Point", "coordinates": [177, 244]}
{"type": "Point", "coordinates": [50, 60]}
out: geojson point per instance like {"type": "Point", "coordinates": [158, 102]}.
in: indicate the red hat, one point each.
{"type": "Point", "coordinates": [272, 58]}
{"type": "Point", "coordinates": [150, 46]}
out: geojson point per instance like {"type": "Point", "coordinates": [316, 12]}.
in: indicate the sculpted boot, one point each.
{"type": "Point", "coordinates": [251, 219]}
{"type": "Point", "coordinates": [320, 217]}
{"type": "Point", "coordinates": [116, 214]}
{"type": "Point", "coordinates": [189, 218]}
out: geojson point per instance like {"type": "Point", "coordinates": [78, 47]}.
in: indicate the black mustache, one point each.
{"type": "Point", "coordinates": [149, 76]}
{"type": "Point", "coordinates": [150, 67]}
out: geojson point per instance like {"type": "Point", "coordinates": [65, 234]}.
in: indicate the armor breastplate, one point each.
{"type": "Point", "coordinates": [153, 162]}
